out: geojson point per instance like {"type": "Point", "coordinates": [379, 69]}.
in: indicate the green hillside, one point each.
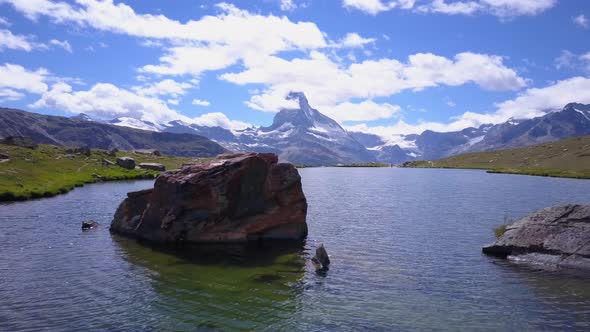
{"type": "Point", "coordinates": [50, 170]}
{"type": "Point", "coordinates": [566, 158]}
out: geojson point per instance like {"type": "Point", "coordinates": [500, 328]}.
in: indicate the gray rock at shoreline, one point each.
{"type": "Point", "coordinates": [153, 166]}
{"type": "Point", "coordinates": [126, 162]}
{"type": "Point", "coordinates": [557, 236]}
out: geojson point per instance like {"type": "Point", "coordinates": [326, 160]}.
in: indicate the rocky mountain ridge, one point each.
{"type": "Point", "coordinates": [303, 135]}
{"type": "Point", "coordinates": [83, 131]}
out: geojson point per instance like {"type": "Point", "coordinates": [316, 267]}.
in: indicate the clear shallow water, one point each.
{"type": "Point", "coordinates": [404, 244]}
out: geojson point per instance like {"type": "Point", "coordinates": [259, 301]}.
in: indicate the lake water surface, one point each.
{"type": "Point", "coordinates": [405, 246]}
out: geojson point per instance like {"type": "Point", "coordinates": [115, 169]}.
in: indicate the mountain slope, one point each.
{"type": "Point", "coordinates": [79, 131]}
{"type": "Point", "coordinates": [573, 120]}
{"type": "Point", "coordinates": [300, 135]}
{"type": "Point", "coordinates": [304, 135]}
{"type": "Point", "coordinates": [565, 158]}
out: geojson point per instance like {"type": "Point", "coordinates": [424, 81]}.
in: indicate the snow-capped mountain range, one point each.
{"type": "Point", "coordinates": [303, 135]}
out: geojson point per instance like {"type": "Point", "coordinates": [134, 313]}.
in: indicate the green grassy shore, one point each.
{"type": "Point", "coordinates": [365, 165]}
{"type": "Point", "coordinates": [568, 158]}
{"type": "Point", "coordinates": [50, 170]}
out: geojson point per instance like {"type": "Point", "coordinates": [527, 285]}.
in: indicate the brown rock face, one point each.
{"type": "Point", "coordinates": [233, 198]}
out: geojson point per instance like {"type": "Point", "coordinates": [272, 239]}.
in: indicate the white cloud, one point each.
{"type": "Point", "coordinates": [8, 40]}
{"type": "Point", "coordinates": [454, 8]}
{"type": "Point", "coordinates": [581, 21]}
{"type": "Point", "coordinates": [7, 94]}
{"type": "Point", "coordinates": [199, 102]}
{"type": "Point", "coordinates": [354, 40]}
{"type": "Point", "coordinates": [107, 101]}
{"type": "Point", "coordinates": [167, 87]}
{"type": "Point", "coordinates": [536, 101]}
{"type": "Point", "coordinates": [288, 5]}
{"type": "Point", "coordinates": [219, 40]}
{"type": "Point", "coordinates": [4, 22]}
{"type": "Point", "coordinates": [217, 119]}
{"type": "Point", "coordinates": [62, 44]}
{"type": "Point", "coordinates": [528, 104]}
{"type": "Point", "coordinates": [15, 77]}
{"type": "Point", "coordinates": [374, 7]}
{"type": "Point", "coordinates": [500, 8]}
{"type": "Point", "coordinates": [327, 84]}
{"type": "Point", "coordinates": [451, 103]}
{"type": "Point", "coordinates": [570, 60]}
{"type": "Point", "coordinates": [364, 111]}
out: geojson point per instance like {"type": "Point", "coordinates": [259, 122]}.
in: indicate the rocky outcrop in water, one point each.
{"type": "Point", "coordinates": [89, 224]}
{"type": "Point", "coordinates": [557, 236]}
{"type": "Point", "coordinates": [233, 198]}
{"type": "Point", "coordinates": [321, 260]}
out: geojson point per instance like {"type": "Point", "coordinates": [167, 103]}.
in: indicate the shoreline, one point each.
{"type": "Point", "coordinates": [9, 197]}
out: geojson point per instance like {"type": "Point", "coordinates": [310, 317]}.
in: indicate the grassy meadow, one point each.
{"type": "Point", "coordinates": [569, 158]}
{"type": "Point", "coordinates": [50, 170]}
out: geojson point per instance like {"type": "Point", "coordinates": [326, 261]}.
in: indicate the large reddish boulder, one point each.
{"type": "Point", "coordinates": [232, 198]}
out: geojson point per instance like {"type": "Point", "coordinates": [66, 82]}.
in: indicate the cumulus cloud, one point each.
{"type": "Point", "coordinates": [7, 94]}
{"type": "Point", "coordinates": [328, 85]}
{"type": "Point", "coordinates": [570, 60]}
{"type": "Point", "coordinates": [217, 41]}
{"type": "Point", "coordinates": [61, 44]}
{"type": "Point", "coordinates": [107, 101]}
{"type": "Point", "coordinates": [581, 21]}
{"type": "Point", "coordinates": [528, 104]}
{"type": "Point", "coordinates": [217, 119]}
{"type": "Point", "coordinates": [199, 102]}
{"type": "Point", "coordinates": [374, 7]}
{"type": "Point", "coordinates": [8, 40]}
{"type": "Point", "coordinates": [366, 110]}
{"type": "Point", "coordinates": [167, 87]}
{"type": "Point", "coordinates": [500, 8]}
{"type": "Point", "coordinates": [15, 78]}
{"type": "Point", "coordinates": [354, 40]}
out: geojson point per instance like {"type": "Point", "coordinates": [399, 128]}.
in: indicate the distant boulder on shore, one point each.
{"type": "Point", "coordinates": [233, 198]}
{"type": "Point", "coordinates": [126, 162]}
{"type": "Point", "coordinates": [557, 236]}
{"type": "Point", "coordinates": [153, 166]}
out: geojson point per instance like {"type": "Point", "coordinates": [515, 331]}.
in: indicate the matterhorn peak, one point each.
{"type": "Point", "coordinates": [300, 98]}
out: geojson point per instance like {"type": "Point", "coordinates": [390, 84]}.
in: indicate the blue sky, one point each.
{"type": "Point", "coordinates": [387, 67]}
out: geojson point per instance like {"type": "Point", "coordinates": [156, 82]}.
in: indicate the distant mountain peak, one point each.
{"type": "Point", "coordinates": [82, 117]}
{"type": "Point", "coordinates": [300, 98]}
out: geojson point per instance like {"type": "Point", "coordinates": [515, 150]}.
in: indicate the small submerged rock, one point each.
{"type": "Point", "coordinates": [89, 224]}
{"type": "Point", "coordinates": [321, 260]}
{"type": "Point", "coordinates": [556, 237]}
